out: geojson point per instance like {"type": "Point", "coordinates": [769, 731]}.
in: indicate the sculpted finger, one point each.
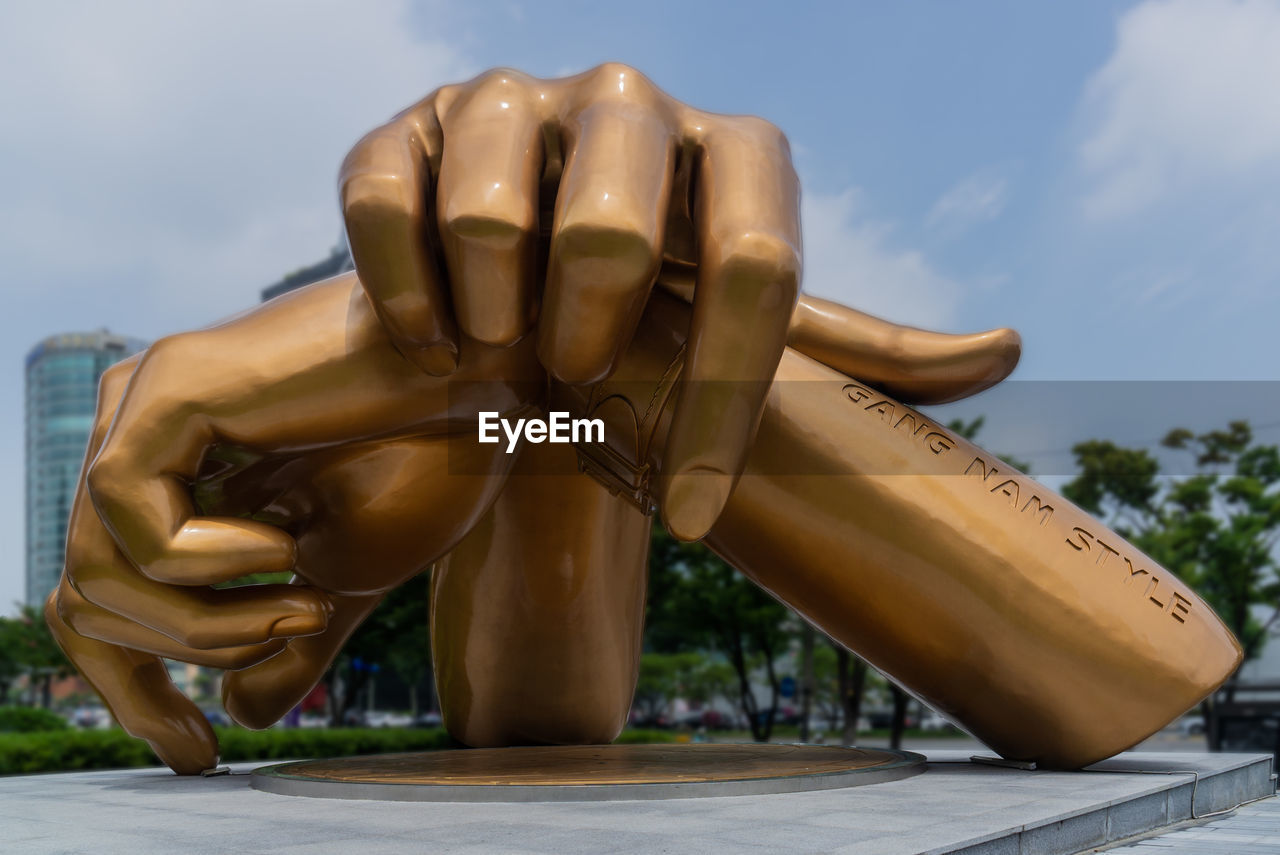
{"type": "Point", "coordinates": [487, 204]}
{"type": "Point", "coordinates": [191, 617]}
{"type": "Point", "coordinates": [138, 482]}
{"type": "Point", "coordinates": [203, 618]}
{"type": "Point", "coordinates": [385, 186]}
{"type": "Point", "coordinates": [746, 204]}
{"type": "Point", "coordinates": [383, 515]}
{"type": "Point", "coordinates": [610, 218]}
{"type": "Point", "coordinates": [153, 518]}
{"type": "Point", "coordinates": [136, 688]}
{"type": "Point", "coordinates": [917, 366]}
{"type": "Point", "coordinates": [92, 621]}
{"type": "Point", "coordinates": [194, 617]}
{"type": "Point", "coordinates": [261, 694]}
{"type": "Point", "coordinates": [313, 369]}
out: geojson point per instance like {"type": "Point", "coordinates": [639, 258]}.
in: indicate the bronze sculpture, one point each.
{"type": "Point", "coordinates": [332, 432]}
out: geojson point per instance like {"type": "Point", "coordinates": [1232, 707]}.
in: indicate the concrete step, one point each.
{"type": "Point", "coordinates": [1182, 787]}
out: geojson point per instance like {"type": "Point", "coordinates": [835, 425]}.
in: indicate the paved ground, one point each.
{"type": "Point", "coordinates": [954, 804]}
{"type": "Point", "coordinates": [1253, 829]}
{"type": "Point", "coordinates": [1164, 742]}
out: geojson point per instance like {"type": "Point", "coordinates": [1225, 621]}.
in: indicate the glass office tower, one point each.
{"type": "Point", "coordinates": [62, 386]}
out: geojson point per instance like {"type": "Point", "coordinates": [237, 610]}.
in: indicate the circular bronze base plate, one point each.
{"type": "Point", "coordinates": [588, 773]}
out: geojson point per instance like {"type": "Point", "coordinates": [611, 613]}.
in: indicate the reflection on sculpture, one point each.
{"type": "Point", "coordinates": [332, 432]}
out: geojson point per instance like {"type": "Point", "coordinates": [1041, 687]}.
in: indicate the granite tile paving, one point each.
{"type": "Point", "coordinates": [1253, 829]}
{"type": "Point", "coordinates": [955, 806]}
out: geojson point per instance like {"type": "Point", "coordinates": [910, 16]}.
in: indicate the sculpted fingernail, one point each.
{"type": "Point", "coordinates": [189, 749]}
{"type": "Point", "coordinates": [297, 625]}
{"type": "Point", "coordinates": [437, 360]}
{"type": "Point", "coordinates": [1009, 348]}
{"type": "Point", "coordinates": [694, 501]}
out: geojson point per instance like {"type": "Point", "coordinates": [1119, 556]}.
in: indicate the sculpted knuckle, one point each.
{"type": "Point", "coordinates": [191, 634]}
{"type": "Point", "coordinates": [379, 146]}
{"type": "Point", "coordinates": [496, 88]}
{"type": "Point", "coordinates": [767, 132]}
{"type": "Point", "coordinates": [72, 611]}
{"type": "Point", "coordinates": [618, 82]}
{"type": "Point", "coordinates": [622, 252]}
{"type": "Point", "coordinates": [116, 374]}
{"type": "Point", "coordinates": [172, 349]}
{"type": "Point", "coordinates": [379, 199]}
{"type": "Point", "coordinates": [498, 82]}
{"type": "Point", "coordinates": [762, 256]}
{"type": "Point", "coordinates": [103, 480]}
{"type": "Point", "coordinates": [359, 154]}
{"type": "Point", "coordinates": [501, 216]}
{"type": "Point", "coordinates": [167, 365]}
{"type": "Point", "coordinates": [614, 70]}
{"type": "Point", "coordinates": [77, 596]}
{"type": "Point", "coordinates": [58, 607]}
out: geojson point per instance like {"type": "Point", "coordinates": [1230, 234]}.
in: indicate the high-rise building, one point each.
{"type": "Point", "coordinates": [62, 388]}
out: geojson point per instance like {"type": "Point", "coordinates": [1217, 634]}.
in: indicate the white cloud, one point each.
{"type": "Point", "coordinates": [1190, 98]}
{"type": "Point", "coordinates": [976, 199]}
{"type": "Point", "coordinates": [161, 162]}
{"type": "Point", "coordinates": [193, 146]}
{"type": "Point", "coordinates": [851, 258]}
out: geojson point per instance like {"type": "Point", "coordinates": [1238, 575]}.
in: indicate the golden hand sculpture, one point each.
{"type": "Point", "coordinates": [509, 203]}
{"type": "Point", "coordinates": [332, 432]}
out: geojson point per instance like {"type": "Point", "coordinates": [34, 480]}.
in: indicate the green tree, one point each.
{"type": "Point", "coordinates": [806, 686]}
{"type": "Point", "coordinates": [38, 655]}
{"type": "Point", "coordinates": [1216, 528]}
{"type": "Point", "coordinates": [694, 676]}
{"type": "Point", "coordinates": [11, 655]}
{"type": "Point", "coordinates": [698, 601]}
{"type": "Point", "coordinates": [851, 688]}
{"type": "Point", "coordinates": [405, 616]}
{"type": "Point", "coordinates": [657, 682]}
{"type": "Point", "coordinates": [395, 636]}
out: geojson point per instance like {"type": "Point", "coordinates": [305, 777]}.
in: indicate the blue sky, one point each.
{"type": "Point", "coordinates": [1102, 176]}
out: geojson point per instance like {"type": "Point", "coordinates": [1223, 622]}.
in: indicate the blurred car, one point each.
{"type": "Point", "coordinates": [1191, 725]}
{"type": "Point", "coordinates": [932, 720]}
{"type": "Point", "coordinates": [883, 720]}
{"type": "Point", "coordinates": [641, 720]}
{"type": "Point", "coordinates": [711, 719]}
{"type": "Point", "coordinates": [428, 719]}
{"type": "Point", "coordinates": [91, 717]}
{"type": "Point", "coordinates": [383, 718]}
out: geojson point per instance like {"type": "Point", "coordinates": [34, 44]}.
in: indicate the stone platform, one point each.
{"type": "Point", "coordinates": [954, 807]}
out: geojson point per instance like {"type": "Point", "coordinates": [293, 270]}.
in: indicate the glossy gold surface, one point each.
{"type": "Point", "coordinates": [446, 203]}
{"type": "Point", "coordinates": [536, 615]}
{"type": "Point", "coordinates": [333, 433]}
{"type": "Point", "coordinates": [994, 599]}
{"type": "Point", "coordinates": [591, 764]}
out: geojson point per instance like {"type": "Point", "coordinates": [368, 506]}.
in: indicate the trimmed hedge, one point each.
{"type": "Point", "coordinates": [72, 750]}
{"type": "Point", "coordinates": [302, 743]}
{"type": "Point", "coordinates": [29, 720]}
